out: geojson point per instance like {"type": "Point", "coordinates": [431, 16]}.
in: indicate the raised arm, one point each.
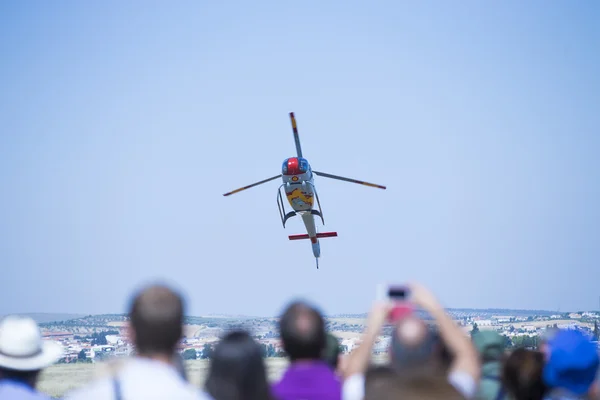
{"type": "Point", "coordinates": [466, 358]}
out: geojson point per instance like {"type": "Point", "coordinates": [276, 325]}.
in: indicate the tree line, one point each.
{"type": "Point", "coordinates": [532, 342]}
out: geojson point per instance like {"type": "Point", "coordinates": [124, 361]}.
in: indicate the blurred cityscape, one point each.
{"type": "Point", "coordinates": [95, 338]}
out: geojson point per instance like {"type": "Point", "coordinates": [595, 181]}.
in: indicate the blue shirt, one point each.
{"type": "Point", "coordinates": [11, 389]}
{"type": "Point", "coordinates": [310, 380]}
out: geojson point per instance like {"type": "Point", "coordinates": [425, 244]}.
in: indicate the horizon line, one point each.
{"type": "Point", "coordinates": [76, 315]}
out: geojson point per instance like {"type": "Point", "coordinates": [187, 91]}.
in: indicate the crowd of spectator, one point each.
{"type": "Point", "coordinates": [426, 361]}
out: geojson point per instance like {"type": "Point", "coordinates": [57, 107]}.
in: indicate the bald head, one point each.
{"type": "Point", "coordinates": [302, 331]}
{"type": "Point", "coordinates": [157, 317]}
{"type": "Point", "coordinates": [413, 343]}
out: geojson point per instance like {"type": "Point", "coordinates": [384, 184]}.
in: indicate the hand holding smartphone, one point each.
{"type": "Point", "coordinates": [397, 294]}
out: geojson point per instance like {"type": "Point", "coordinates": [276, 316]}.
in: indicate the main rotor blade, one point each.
{"type": "Point", "coordinates": [252, 185]}
{"type": "Point", "coordinates": [341, 178]}
{"type": "Point", "coordinates": [296, 136]}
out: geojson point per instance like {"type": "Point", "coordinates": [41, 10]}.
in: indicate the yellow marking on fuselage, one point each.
{"type": "Point", "coordinates": [297, 194]}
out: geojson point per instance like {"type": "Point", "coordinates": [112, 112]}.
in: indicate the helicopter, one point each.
{"type": "Point", "coordinates": [299, 187]}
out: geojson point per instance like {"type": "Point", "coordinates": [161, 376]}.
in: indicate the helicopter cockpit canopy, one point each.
{"type": "Point", "coordinates": [294, 166]}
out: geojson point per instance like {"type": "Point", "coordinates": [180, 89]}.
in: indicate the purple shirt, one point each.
{"type": "Point", "coordinates": [308, 380]}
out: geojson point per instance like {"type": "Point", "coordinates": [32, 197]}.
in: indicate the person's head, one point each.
{"type": "Point", "coordinates": [522, 375]}
{"type": "Point", "coordinates": [572, 362]}
{"type": "Point", "coordinates": [156, 316]}
{"type": "Point", "coordinates": [23, 353]}
{"type": "Point", "coordinates": [380, 382]}
{"type": "Point", "coordinates": [331, 352]}
{"type": "Point", "coordinates": [489, 345]}
{"type": "Point", "coordinates": [443, 357]}
{"type": "Point", "coordinates": [427, 387]}
{"type": "Point", "coordinates": [302, 331]}
{"type": "Point", "coordinates": [414, 346]}
{"type": "Point", "coordinates": [237, 369]}
{"type": "Point", "coordinates": [385, 383]}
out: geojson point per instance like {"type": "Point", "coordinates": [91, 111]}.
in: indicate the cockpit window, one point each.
{"type": "Point", "coordinates": [284, 167]}
{"type": "Point", "coordinates": [303, 165]}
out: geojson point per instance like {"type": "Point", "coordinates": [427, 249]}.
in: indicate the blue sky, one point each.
{"type": "Point", "coordinates": [123, 123]}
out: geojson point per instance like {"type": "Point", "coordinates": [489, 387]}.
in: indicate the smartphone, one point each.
{"type": "Point", "coordinates": [392, 292]}
{"type": "Point", "coordinates": [397, 292]}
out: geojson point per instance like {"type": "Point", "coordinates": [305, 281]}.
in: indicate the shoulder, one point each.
{"type": "Point", "coordinates": [202, 395]}
{"type": "Point", "coordinates": [353, 387]}
{"type": "Point", "coordinates": [192, 392]}
{"type": "Point", "coordinates": [10, 391]}
{"type": "Point", "coordinates": [464, 383]}
{"type": "Point", "coordinates": [104, 388]}
{"type": "Point", "coordinates": [100, 388]}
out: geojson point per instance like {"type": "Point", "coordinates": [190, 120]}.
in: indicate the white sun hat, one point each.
{"type": "Point", "coordinates": [22, 347]}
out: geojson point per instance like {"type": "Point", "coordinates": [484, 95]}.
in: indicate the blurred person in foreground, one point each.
{"type": "Point", "coordinates": [522, 375]}
{"type": "Point", "coordinates": [384, 383]}
{"type": "Point", "coordinates": [416, 351]}
{"type": "Point", "coordinates": [571, 367]}
{"type": "Point", "coordinates": [490, 345]}
{"type": "Point", "coordinates": [237, 370]}
{"type": "Point", "coordinates": [309, 376]}
{"type": "Point", "coordinates": [23, 355]}
{"type": "Point", "coordinates": [156, 326]}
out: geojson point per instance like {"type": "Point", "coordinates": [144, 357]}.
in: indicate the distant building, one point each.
{"type": "Point", "coordinates": [114, 340]}
{"type": "Point", "coordinates": [101, 349]}
{"type": "Point", "coordinates": [350, 343]}
{"type": "Point", "coordinates": [382, 344]}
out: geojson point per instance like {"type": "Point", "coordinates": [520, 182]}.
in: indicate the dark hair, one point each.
{"type": "Point", "coordinates": [428, 388]}
{"type": "Point", "coordinates": [385, 383]}
{"type": "Point", "coordinates": [522, 375]}
{"type": "Point", "coordinates": [302, 331]}
{"type": "Point", "coordinates": [446, 357]}
{"type": "Point", "coordinates": [157, 318]}
{"type": "Point", "coordinates": [331, 352]}
{"type": "Point", "coordinates": [379, 381]}
{"type": "Point", "coordinates": [29, 378]}
{"type": "Point", "coordinates": [237, 370]}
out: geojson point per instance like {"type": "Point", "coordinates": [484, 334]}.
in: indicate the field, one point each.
{"type": "Point", "coordinates": [60, 378]}
{"type": "Point", "coordinates": [542, 324]}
